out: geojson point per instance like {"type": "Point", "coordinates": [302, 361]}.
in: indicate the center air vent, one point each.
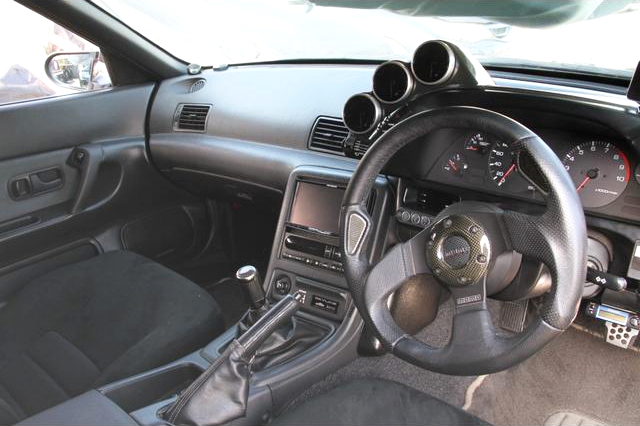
{"type": "Point", "coordinates": [191, 117]}
{"type": "Point", "coordinates": [328, 135]}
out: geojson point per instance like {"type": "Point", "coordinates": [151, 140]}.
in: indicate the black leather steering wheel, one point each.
{"type": "Point", "coordinates": [459, 250]}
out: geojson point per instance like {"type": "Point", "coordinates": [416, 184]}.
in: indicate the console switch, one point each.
{"type": "Point", "coordinates": [282, 285]}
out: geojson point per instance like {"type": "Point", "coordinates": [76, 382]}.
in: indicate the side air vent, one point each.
{"type": "Point", "coordinates": [191, 117]}
{"type": "Point", "coordinates": [197, 85]}
{"type": "Point", "coordinates": [328, 135]}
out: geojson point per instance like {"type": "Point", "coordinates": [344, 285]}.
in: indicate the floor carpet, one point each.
{"type": "Point", "coordinates": [577, 372]}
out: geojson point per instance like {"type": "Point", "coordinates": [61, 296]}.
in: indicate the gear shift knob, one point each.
{"type": "Point", "coordinates": [249, 277]}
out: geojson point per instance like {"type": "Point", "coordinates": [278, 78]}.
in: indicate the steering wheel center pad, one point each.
{"type": "Point", "coordinates": [458, 251]}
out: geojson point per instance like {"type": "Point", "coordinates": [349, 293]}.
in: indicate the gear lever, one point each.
{"type": "Point", "coordinates": [249, 278]}
{"type": "Point", "coordinates": [290, 339]}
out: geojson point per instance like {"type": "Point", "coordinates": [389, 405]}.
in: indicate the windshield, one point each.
{"type": "Point", "coordinates": [587, 36]}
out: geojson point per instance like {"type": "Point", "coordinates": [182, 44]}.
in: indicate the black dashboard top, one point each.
{"type": "Point", "coordinates": [261, 117]}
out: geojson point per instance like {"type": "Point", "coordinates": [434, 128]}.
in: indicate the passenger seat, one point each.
{"type": "Point", "coordinates": [94, 322]}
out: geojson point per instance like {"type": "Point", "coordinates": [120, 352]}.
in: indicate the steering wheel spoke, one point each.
{"type": "Point", "coordinates": [469, 298]}
{"type": "Point", "coordinates": [402, 262]}
{"type": "Point", "coordinates": [528, 235]}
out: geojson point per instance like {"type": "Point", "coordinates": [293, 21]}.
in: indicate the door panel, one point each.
{"type": "Point", "coordinates": [49, 124]}
{"type": "Point", "coordinates": [95, 142]}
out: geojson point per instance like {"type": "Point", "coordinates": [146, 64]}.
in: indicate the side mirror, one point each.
{"type": "Point", "coordinates": [74, 70]}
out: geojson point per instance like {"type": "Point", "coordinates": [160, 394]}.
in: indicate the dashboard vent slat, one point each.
{"type": "Point", "coordinates": [328, 135]}
{"type": "Point", "coordinates": [191, 117]}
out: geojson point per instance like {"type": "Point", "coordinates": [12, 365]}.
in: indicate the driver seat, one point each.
{"type": "Point", "coordinates": [376, 402]}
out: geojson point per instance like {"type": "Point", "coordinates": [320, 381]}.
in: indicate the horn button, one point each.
{"type": "Point", "coordinates": [458, 251]}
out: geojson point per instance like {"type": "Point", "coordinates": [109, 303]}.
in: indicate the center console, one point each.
{"type": "Point", "coordinates": [306, 254]}
{"type": "Point", "coordinates": [305, 260]}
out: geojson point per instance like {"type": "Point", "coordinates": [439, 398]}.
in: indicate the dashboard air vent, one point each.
{"type": "Point", "coordinates": [328, 135]}
{"type": "Point", "coordinates": [191, 117]}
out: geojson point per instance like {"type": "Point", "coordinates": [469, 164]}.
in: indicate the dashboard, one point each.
{"type": "Point", "coordinates": [256, 124]}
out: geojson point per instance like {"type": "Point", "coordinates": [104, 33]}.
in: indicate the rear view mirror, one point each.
{"type": "Point", "coordinates": [78, 70]}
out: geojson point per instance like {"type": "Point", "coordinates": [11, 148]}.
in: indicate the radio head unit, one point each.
{"type": "Point", "coordinates": [312, 227]}
{"type": "Point", "coordinates": [316, 207]}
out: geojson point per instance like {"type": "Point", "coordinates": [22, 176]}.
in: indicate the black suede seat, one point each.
{"type": "Point", "coordinates": [94, 322]}
{"type": "Point", "coordinates": [376, 402]}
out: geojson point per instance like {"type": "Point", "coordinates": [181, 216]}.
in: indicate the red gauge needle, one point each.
{"type": "Point", "coordinates": [453, 166]}
{"type": "Point", "coordinates": [584, 183]}
{"type": "Point", "coordinates": [506, 175]}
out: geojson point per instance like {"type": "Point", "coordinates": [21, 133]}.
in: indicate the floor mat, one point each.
{"type": "Point", "coordinates": [448, 388]}
{"type": "Point", "coordinates": [576, 373]}
{"type": "Point", "coordinates": [571, 419]}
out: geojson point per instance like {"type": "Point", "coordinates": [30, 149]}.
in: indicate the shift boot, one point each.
{"type": "Point", "coordinates": [220, 394]}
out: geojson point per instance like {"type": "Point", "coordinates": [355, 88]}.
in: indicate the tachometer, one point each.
{"type": "Point", "coordinates": [502, 163]}
{"type": "Point", "coordinates": [599, 170]}
{"type": "Point", "coordinates": [477, 143]}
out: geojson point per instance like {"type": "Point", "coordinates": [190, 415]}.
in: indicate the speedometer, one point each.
{"type": "Point", "coordinates": [599, 170]}
{"type": "Point", "coordinates": [502, 163]}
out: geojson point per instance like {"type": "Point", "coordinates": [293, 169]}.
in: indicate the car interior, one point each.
{"type": "Point", "coordinates": [420, 235]}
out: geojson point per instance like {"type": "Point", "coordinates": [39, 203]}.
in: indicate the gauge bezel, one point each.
{"type": "Point", "coordinates": [450, 66]}
{"type": "Point", "coordinates": [377, 113]}
{"type": "Point", "coordinates": [410, 84]}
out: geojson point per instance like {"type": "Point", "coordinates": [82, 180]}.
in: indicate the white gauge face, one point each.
{"type": "Point", "coordinates": [502, 163]}
{"type": "Point", "coordinates": [600, 172]}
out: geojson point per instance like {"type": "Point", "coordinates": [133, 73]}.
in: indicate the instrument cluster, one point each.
{"type": "Point", "coordinates": [600, 169]}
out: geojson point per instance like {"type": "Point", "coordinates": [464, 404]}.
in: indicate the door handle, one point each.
{"type": "Point", "coordinates": [35, 183]}
{"type": "Point", "coordinates": [46, 180]}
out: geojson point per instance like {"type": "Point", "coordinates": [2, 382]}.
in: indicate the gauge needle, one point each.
{"type": "Point", "coordinates": [506, 175]}
{"type": "Point", "coordinates": [453, 166]}
{"type": "Point", "coordinates": [584, 183]}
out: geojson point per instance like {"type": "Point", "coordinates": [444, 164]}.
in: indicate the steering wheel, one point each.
{"type": "Point", "coordinates": [460, 248]}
